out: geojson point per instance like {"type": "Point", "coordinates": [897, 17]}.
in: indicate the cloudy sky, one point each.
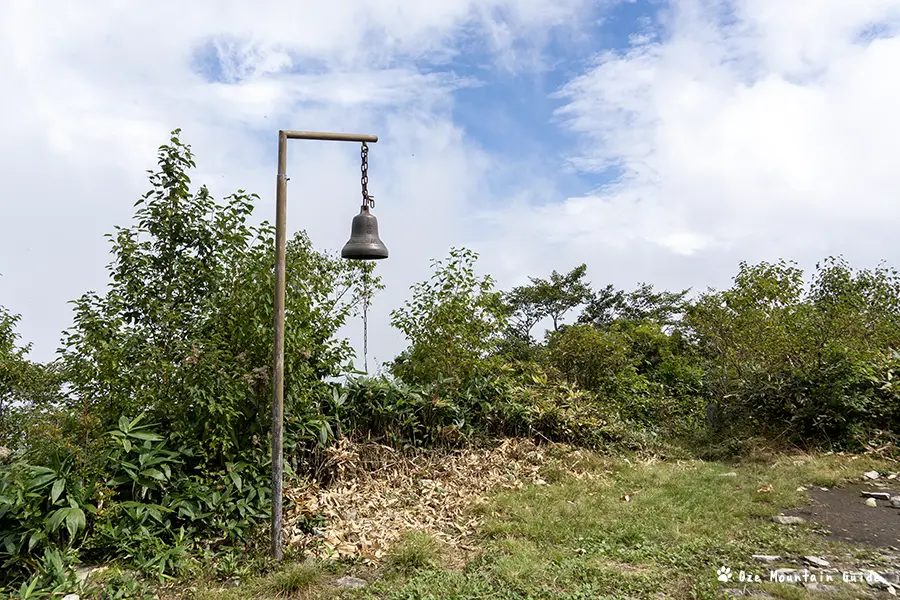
{"type": "Point", "coordinates": [655, 141]}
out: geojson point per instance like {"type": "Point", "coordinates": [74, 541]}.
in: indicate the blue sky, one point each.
{"type": "Point", "coordinates": [654, 141]}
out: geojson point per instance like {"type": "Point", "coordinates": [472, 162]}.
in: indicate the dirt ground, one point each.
{"type": "Point", "coordinates": [844, 513]}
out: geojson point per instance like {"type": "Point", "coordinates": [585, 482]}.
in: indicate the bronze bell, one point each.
{"type": "Point", "coordinates": [364, 243]}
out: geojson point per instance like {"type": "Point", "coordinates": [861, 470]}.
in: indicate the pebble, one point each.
{"type": "Point", "coordinates": [814, 586]}
{"type": "Point", "coordinates": [353, 583]}
{"type": "Point", "coordinates": [766, 557]}
{"type": "Point", "coordinates": [895, 501]}
{"type": "Point", "coordinates": [816, 561]}
{"type": "Point", "coordinates": [785, 520]}
{"type": "Point", "coordinates": [71, 597]}
{"type": "Point", "coordinates": [878, 495]}
{"type": "Point", "coordinates": [871, 502]}
{"type": "Point", "coordinates": [732, 474]}
{"type": "Point", "coordinates": [872, 475]}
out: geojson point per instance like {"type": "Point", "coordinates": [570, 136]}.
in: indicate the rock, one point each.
{"type": "Point", "coordinates": [872, 475]}
{"type": "Point", "coordinates": [732, 474]}
{"type": "Point", "coordinates": [892, 577]}
{"type": "Point", "coordinates": [814, 586]}
{"type": "Point", "coordinates": [353, 583]}
{"type": "Point", "coordinates": [892, 476]}
{"type": "Point", "coordinates": [871, 502]}
{"type": "Point", "coordinates": [817, 562]}
{"type": "Point", "coordinates": [4, 452]}
{"type": "Point", "coordinates": [786, 520]}
{"type": "Point", "coordinates": [824, 489]}
{"type": "Point", "coordinates": [876, 581]}
{"type": "Point", "coordinates": [895, 501]}
{"type": "Point", "coordinates": [84, 573]}
{"type": "Point", "coordinates": [71, 597]}
{"type": "Point", "coordinates": [766, 557]}
{"type": "Point", "coordinates": [877, 495]}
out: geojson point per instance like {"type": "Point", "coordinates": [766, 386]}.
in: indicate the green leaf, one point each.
{"type": "Point", "coordinates": [146, 436]}
{"type": "Point", "coordinates": [56, 519]}
{"type": "Point", "coordinates": [58, 486]}
{"type": "Point", "coordinates": [75, 521]}
{"type": "Point", "coordinates": [154, 474]}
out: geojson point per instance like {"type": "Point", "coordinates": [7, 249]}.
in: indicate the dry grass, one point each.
{"type": "Point", "coordinates": [382, 493]}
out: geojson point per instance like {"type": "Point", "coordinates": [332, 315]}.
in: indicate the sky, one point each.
{"type": "Point", "coordinates": [654, 141]}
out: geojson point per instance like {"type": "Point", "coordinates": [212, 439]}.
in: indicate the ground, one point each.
{"type": "Point", "coordinates": [587, 526]}
{"type": "Point", "coordinates": [847, 517]}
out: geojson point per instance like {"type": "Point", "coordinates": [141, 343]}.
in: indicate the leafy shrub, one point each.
{"type": "Point", "coordinates": [454, 324]}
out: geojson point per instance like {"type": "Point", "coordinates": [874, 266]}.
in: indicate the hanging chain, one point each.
{"type": "Point", "coordinates": [367, 199]}
{"type": "Point", "coordinates": [365, 321]}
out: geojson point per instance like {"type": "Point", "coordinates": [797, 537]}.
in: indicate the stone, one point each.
{"type": "Point", "coordinates": [871, 502]}
{"type": "Point", "coordinates": [815, 586]}
{"type": "Point", "coordinates": [824, 489]}
{"type": "Point", "coordinates": [872, 475]}
{"type": "Point", "coordinates": [877, 495]}
{"type": "Point", "coordinates": [353, 583]}
{"type": "Point", "coordinates": [71, 597]}
{"type": "Point", "coordinates": [817, 562]}
{"type": "Point", "coordinates": [875, 580]}
{"type": "Point", "coordinates": [766, 557]}
{"type": "Point", "coordinates": [895, 501]}
{"type": "Point", "coordinates": [4, 452]}
{"type": "Point", "coordinates": [731, 474]}
{"type": "Point", "coordinates": [788, 520]}
{"type": "Point", "coordinates": [84, 573]}
{"type": "Point", "coordinates": [892, 476]}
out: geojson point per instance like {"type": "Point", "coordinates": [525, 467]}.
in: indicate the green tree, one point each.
{"type": "Point", "coordinates": [609, 305]}
{"type": "Point", "coordinates": [26, 387]}
{"type": "Point", "coordinates": [453, 323]}
{"type": "Point", "coordinates": [185, 330]}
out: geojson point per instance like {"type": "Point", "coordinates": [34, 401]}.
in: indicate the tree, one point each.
{"type": "Point", "coordinates": [454, 323]}
{"type": "Point", "coordinates": [609, 305]}
{"type": "Point", "coordinates": [25, 386]}
{"type": "Point", "coordinates": [185, 330]}
{"type": "Point", "coordinates": [543, 298]}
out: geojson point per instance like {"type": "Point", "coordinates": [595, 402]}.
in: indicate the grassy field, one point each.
{"type": "Point", "coordinates": [641, 530]}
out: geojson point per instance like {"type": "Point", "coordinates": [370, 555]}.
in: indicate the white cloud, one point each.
{"type": "Point", "coordinates": [746, 130]}
{"type": "Point", "coordinates": [92, 90]}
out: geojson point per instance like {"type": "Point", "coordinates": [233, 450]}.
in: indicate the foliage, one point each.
{"type": "Point", "coordinates": [608, 306]}
{"type": "Point", "coordinates": [813, 363]}
{"type": "Point", "coordinates": [453, 323]}
{"type": "Point", "coordinates": [185, 330]}
{"type": "Point", "coordinates": [25, 386]}
{"type": "Point", "coordinates": [551, 299]}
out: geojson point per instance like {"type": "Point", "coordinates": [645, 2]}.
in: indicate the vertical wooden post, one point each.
{"type": "Point", "coordinates": [278, 375]}
{"type": "Point", "coordinates": [280, 268]}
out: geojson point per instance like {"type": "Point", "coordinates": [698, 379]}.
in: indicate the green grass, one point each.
{"type": "Point", "coordinates": [299, 580]}
{"type": "Point", "coordinates": [579, 539]}
{"type": "Point", "coordinates": [414, 551]}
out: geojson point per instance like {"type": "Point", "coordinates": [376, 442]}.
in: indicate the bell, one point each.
{"type": "Point", "coordinates": [364, 243]}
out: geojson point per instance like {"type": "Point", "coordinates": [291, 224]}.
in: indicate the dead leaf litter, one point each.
{"type": "Point", "coordinates": [380, 493]}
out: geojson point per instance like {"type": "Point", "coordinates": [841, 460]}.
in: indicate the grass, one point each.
{"type": "Point", "coordinates": [579, 538]}
{"type": "Point", "coordinates": [415, 551]}
{"type": "Point", "coordinates": [298, 580]}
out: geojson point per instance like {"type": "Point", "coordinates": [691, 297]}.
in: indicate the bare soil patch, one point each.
{"type": "Point", "coordinates": [844, 512]}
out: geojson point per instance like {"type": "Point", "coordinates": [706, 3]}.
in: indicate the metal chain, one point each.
{"type": "Point", "coordinates": [367, 199]}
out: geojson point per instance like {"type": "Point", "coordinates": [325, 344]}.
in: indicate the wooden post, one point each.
{"type": "Point", "coordinates": [280, 268]}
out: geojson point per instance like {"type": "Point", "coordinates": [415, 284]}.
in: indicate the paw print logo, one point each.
{"type": "Point", "coordinates": [723, 574]}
